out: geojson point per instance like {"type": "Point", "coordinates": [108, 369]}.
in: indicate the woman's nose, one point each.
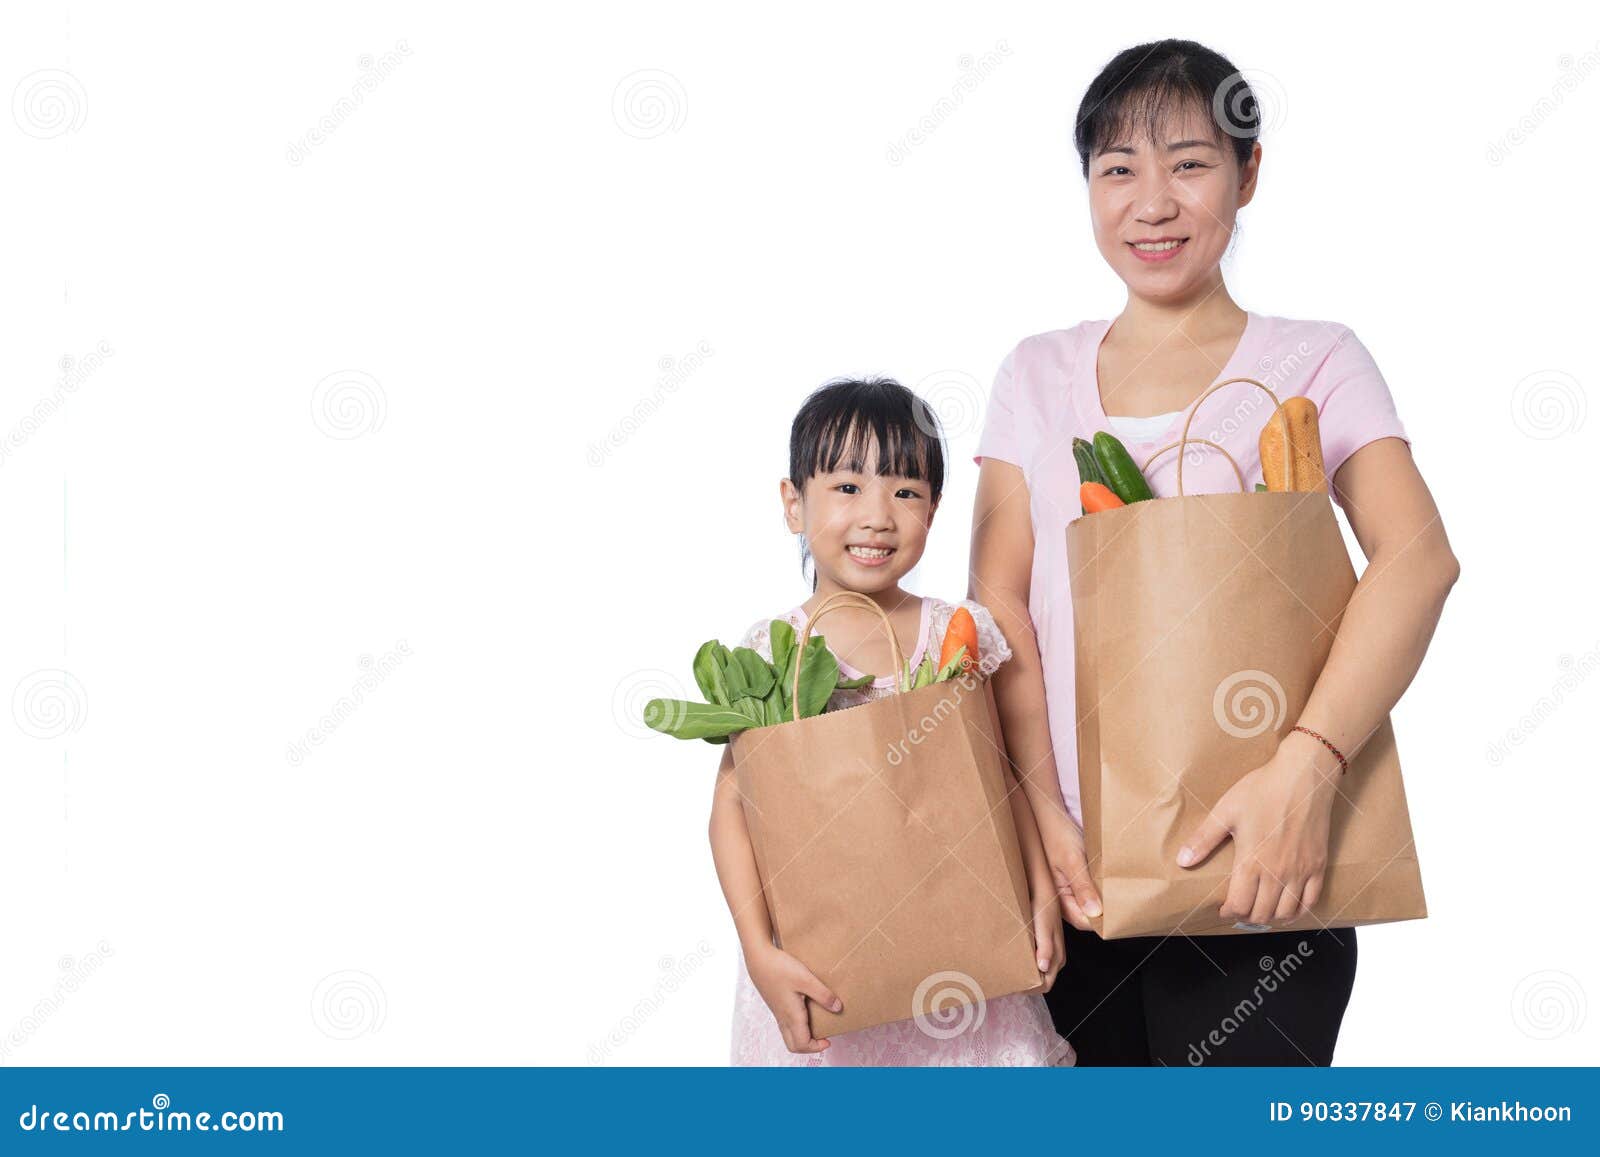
{"type": "Point", "coordinates": [1157, 202]}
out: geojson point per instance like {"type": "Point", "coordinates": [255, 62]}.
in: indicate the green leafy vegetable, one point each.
{"type": "Point", "coordinates": [744, 690]}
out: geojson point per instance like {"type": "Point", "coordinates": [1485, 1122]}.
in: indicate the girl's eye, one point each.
{"type": "Point", "coordinates": [906, 492]}
{"type": "Point", "coordinates": [847, 487]}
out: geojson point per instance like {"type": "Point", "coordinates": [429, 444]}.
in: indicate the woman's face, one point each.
{"type": "Point", "coordinates": [865, 530]}
{"type": "Point", "coordinates": [1163, 210]}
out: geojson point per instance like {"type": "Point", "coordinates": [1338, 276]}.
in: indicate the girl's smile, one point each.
{"type": "Point", "coordinates": [869, 556]}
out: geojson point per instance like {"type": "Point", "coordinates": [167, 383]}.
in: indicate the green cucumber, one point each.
{"type": "Point", "coordinates": [1088, 468]}
{"type": "Point", "coordinates": [1120, 472]}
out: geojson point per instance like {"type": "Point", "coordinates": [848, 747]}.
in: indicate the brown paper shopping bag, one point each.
{"type": "Point", "coordinates": [886, 849]}
{"type": "Point", "coordinates": [1202, 623]}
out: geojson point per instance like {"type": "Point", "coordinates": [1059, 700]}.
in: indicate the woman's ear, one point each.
{"type": "Point", "coordinates": [793, 506]}
{"type": "Point", "coordinates": [1247, 178]}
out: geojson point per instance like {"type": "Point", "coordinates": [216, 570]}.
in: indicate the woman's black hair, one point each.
{"type": "Point", "coordinates": [1143, 84]}
{"type": "Point", "coordinates": [840, 421]}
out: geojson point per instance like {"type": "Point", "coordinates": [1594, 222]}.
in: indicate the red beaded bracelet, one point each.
{"type": "Point", "coordinates": [1344, 764]}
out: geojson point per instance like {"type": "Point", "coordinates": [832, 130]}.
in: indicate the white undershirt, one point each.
{"type": "Point", "coordinates": [1130, 429]}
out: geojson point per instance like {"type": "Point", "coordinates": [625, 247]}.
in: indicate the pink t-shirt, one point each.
{"type": "Point", "coordinates": [1047, 391]}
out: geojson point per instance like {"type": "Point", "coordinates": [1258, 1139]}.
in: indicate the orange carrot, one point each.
{"type": "Point", "coordinates": [962, 632]}
{"type": "Point", "coordinates": [1097, 496]}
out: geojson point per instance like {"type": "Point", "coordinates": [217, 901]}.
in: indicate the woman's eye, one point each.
{"type": "Point", "coordinates": [1116, 171]}
{"type": "Point", "coordinates": [1196, 164]}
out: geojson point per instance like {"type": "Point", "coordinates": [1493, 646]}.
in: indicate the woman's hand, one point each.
{"type": "Point", "coordinates": [784, 983]}
{"type": "Point", "coordinates": [1049, 944]}
{"type": "Point", "coordinates": [1278, 817]}
{"type": "Point", "coordinates": [1063, 847]}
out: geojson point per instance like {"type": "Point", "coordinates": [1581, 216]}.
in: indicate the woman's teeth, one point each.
{"type": "Point", "coordinates": [1156, 246]}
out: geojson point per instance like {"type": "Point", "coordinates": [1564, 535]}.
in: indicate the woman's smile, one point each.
{"type": "Point", "coordinates": [1158, 249]}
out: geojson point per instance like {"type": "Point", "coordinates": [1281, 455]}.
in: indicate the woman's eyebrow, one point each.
{"type": "Point", "coordinates": [1171, 148]}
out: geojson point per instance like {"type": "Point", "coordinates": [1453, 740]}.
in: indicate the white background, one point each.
{"type": "Point", "coordinates": [381, 393]}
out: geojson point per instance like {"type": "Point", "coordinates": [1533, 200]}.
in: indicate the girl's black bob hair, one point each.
{"type": "Point", "coordinates": [840, 422]}
{"type": "Point", "coordinates": [1143, 85]}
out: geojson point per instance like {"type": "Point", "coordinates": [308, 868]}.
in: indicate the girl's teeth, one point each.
{"type": "Point", "coordinates": [869, 551]}
{"type": "Point", "coordinates": [1156, 247]}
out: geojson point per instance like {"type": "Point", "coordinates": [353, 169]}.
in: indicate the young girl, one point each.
{"type": "Point", "coordinates": [866, 467]}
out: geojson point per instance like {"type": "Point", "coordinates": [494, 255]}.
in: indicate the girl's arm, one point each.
{"type": "Point", "coordinates": [782, 980]}
{"type": "Point", "coordinates": [1279, 814]}
{"type": "Point", "coordinates": [1000, 575]}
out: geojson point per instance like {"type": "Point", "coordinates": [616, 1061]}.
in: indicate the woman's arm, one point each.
{"type": "Point", "coordinates": [782, 980]}
{"type": "Point", "coordinates": [1000, 575]}
{"type": "Point", "coordinates": [1278, 815]}
{"type": "Point", "coordinates": [1049, 945]}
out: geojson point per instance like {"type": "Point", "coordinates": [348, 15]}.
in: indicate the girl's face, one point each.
{"type": "Point", "coordinates": [865, 531]}
{"type": "Point", "coordinates": [1163, 210]}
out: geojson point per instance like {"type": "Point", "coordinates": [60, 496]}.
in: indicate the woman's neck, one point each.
{"type": "Point", "coordinates": [1203, 316]}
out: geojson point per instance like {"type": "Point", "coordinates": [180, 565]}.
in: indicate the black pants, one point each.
{"type": "Point", "coordinates": [1264, 998]}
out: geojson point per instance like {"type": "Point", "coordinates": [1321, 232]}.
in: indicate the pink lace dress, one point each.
{"type": "Point", "coordinates": [1009, 1030]}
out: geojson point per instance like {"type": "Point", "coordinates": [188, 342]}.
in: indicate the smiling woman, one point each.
{"type": "Point", "coordinates": [1166, 135]}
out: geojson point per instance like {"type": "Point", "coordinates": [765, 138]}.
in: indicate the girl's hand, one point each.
{"type": "Point", "coordinates": [784, 983]}
{"type": "Point", "coordinates": [1278, 816]}
{"type": "Point", "coordinates": [1063, 847]}
{"type": "Point", "coordinates": [1048, 942]}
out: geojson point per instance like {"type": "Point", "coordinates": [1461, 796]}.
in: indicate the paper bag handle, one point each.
{"type": "Point", "coordinates": [1232, 461]}
{"type": "Point", "coordinates": [834, 602]}
{"type": "Point", "coordinates": [1288, 463]}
